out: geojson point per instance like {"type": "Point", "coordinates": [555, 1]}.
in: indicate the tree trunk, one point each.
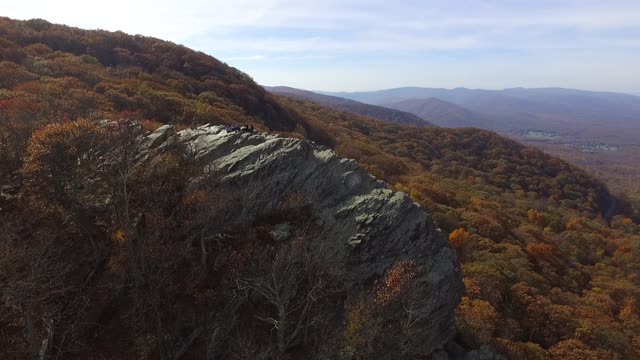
{"type": "Point", "coordinates": [282, 329]}
{"type": "Point", "coordinates": [31, 332]}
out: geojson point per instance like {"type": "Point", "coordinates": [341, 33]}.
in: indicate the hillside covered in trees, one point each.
{"type": "Point", "coordinates": [549, 258]}
{"type": "Point", "coordinates": [539, 259]}
{"type": "Point", "coordinates": [377, 112]}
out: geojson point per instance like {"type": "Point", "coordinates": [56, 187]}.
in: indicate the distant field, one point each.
{"type": "Point", "coordinates": [612, 155]}
{"type": "Point", "coordinates": [533, 135]}
{"type": "Point", "coordinates": [617, 165]}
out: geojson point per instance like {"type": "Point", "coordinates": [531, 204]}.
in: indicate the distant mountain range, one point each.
{"type": "Point", "coordinates": [566, 111]}
{"type": "Point", "coordinates": [341, 104]}
{"type": "Point", "coordinates": [443, 113]}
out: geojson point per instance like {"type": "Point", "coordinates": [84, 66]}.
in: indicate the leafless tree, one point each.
{"type": "Point", "coordinates": [414, 318]}
{"type": "Point", "coordinates": [294, 281]}
{"type": "Point", "coordinates": [32, 286]}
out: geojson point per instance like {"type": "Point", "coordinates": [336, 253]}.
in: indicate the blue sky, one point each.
{"type": "Point", "coordinates": [365, 45]}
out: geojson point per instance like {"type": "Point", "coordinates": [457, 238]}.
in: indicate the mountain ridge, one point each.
{"type": "Point", "coordinates": [578, 115]}
{"type": "Point", "coordinates": [356, 107]}
{"type": "Point", "coordinates": [442, 113]}
{"type": "Point", "coordinates": [368, 226]}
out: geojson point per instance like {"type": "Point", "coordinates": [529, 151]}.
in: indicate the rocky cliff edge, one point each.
{"type": "Point", "coordinates": [368, 225]}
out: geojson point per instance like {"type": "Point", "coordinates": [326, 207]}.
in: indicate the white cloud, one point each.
{"type": "Point", "coordinates": [260, 35]}
{"type": "Point", "coordinates": [428, 25]}
{"type": "Point", "coordinates": [245, 58]}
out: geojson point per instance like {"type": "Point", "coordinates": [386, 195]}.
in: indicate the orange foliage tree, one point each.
{"type": "Point", "coordinates": [476, 320]}
{"type": "Point", "coordinates": [388, 317]}
{"type": "Point", "coordinates": [537, 218]}
{"type": "Point", "coordinates": [62, 162]}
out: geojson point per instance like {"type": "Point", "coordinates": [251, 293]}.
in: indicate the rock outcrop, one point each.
{"type": "Point", "coordinates": [370, 226]}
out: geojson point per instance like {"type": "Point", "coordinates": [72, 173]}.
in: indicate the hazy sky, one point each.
{"type": "Point", "coordinates": [365, 45]}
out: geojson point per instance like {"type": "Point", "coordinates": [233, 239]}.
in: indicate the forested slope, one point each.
{"type": "Point", "coordinates": [546, 276]}
{"type": "Point", "coordinates": [377, 112]}
{"type": "Point", "coordinates": [51, 72]}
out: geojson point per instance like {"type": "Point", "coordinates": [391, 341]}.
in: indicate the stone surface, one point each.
{"type": "Point", "coordinates": [369, 226]}
{"type": "Point", "coordinates": [281, 232]}
{"type": "Point", "coordinates": [163, 137]}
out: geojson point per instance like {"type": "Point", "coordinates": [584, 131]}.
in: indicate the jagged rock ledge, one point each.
{"type": "Point", "coordinates": [369, 225]}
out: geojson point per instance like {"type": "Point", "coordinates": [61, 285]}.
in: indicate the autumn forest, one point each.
{"type": "Point", "coordinates": [550, 259]}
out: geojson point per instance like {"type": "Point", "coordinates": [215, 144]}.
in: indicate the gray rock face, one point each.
{"type": "Point", "coordinates": [368, 225]}
{"type": "Point", "coordinates": [158, 137]}
{"type": "Point", "coordinates": [281, 231]}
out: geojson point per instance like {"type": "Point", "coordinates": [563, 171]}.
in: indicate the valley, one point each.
{"type": "Point", "coordinates": [617, 165]}
{"type": "Point", "coordinates": [614, 160]}
{"type": "Point", "coordinates": [596, 131]}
